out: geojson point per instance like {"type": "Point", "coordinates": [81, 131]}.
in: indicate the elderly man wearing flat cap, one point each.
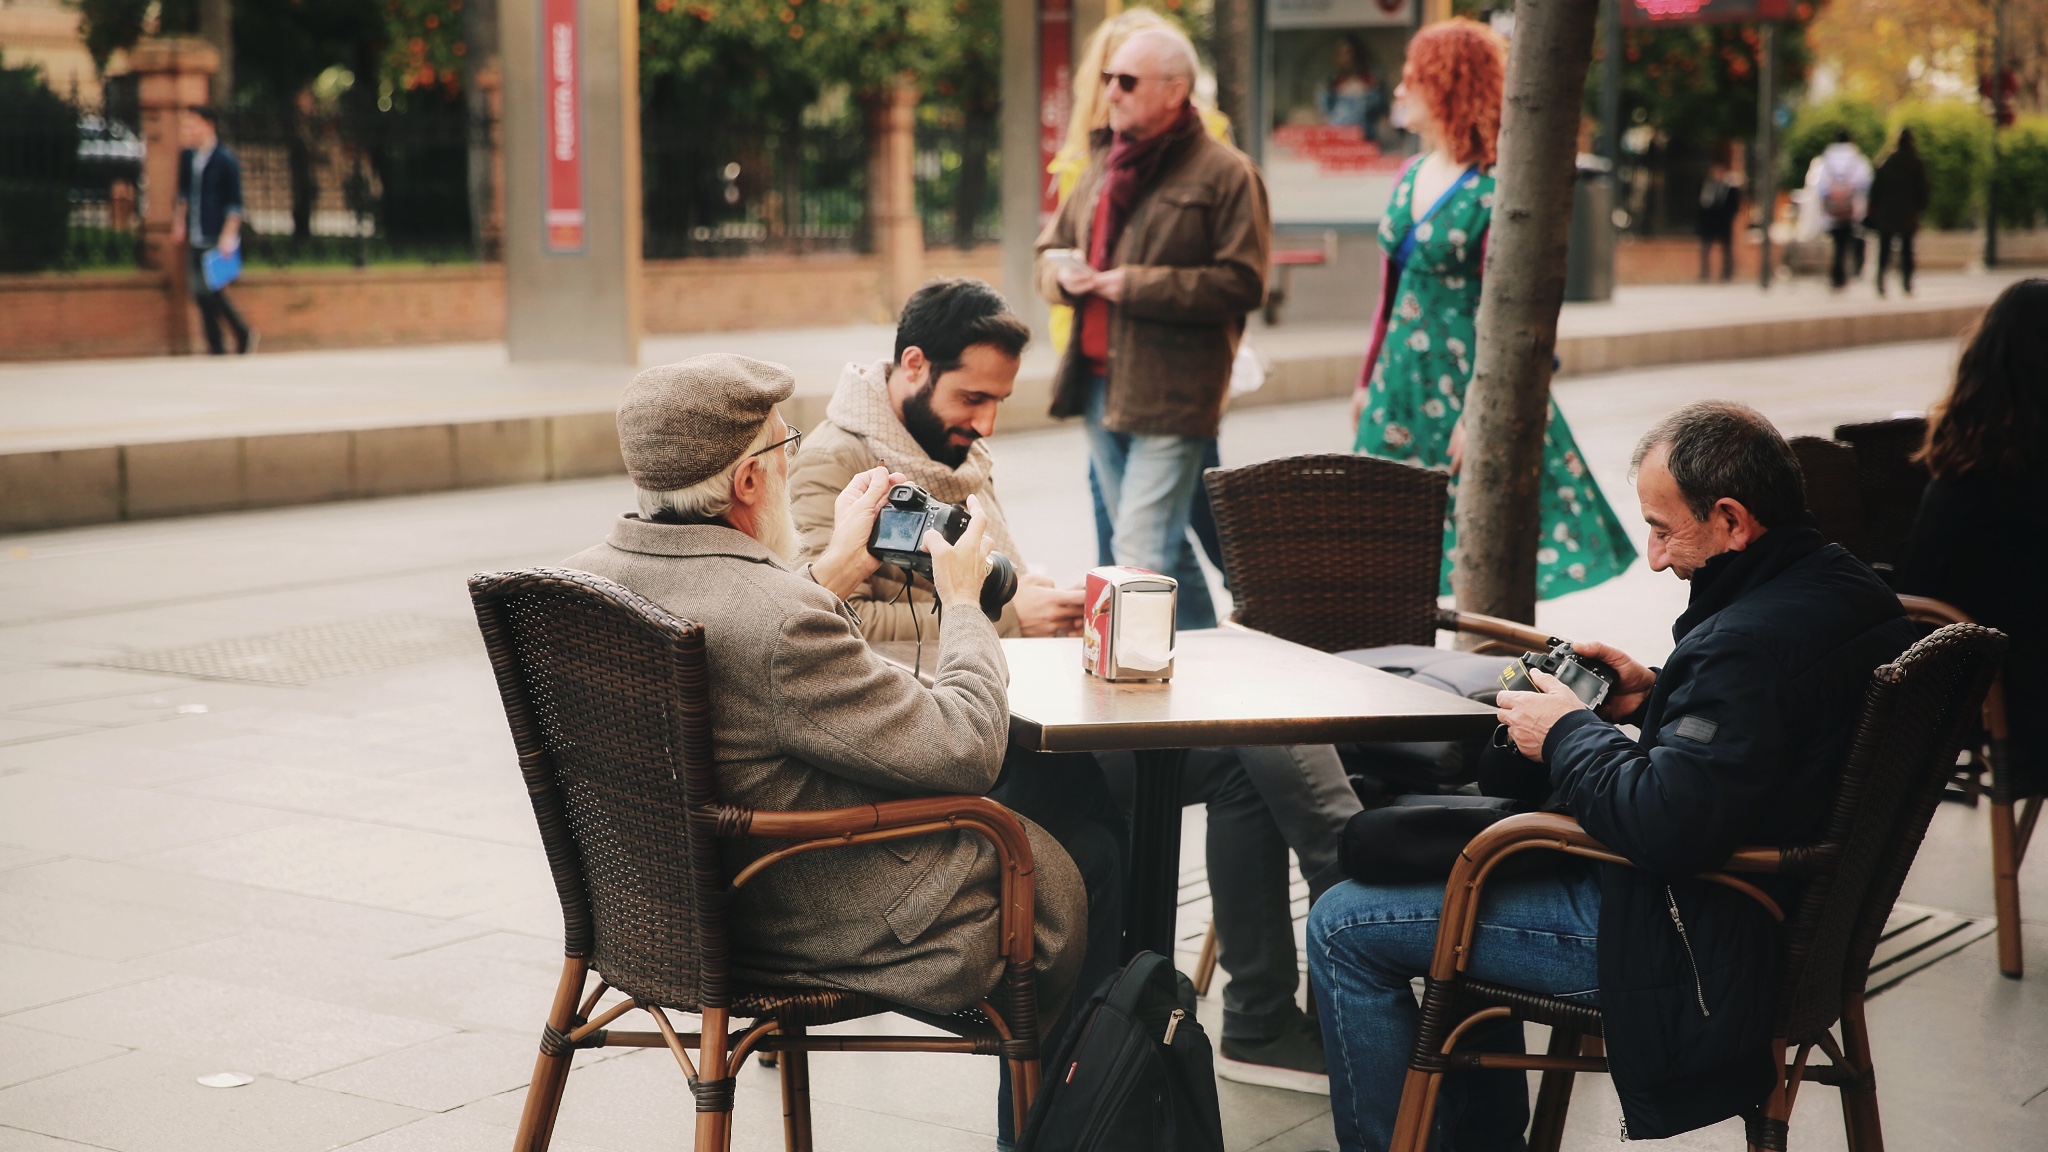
{"type": "Point", "coordinates": [806, 716]}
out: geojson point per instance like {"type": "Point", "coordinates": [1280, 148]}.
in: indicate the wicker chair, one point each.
{"type": "Point", "coordinates": [1915, 715]}
{"type": "Point", "coordinates": [1890, 483]}
{"type": "Point", "coordinates": [1833, 489]}
{"type": "Point", "coordinates": [1337, 552]}
{"type": "Point", "coordinates": [608, 699]}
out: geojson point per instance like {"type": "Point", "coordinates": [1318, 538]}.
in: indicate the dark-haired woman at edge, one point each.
{"type": "Point", "coordinates": [1981, 540]}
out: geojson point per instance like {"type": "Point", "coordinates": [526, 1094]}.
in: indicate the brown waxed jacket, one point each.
{"type": "Point", "coordinates": [805, 716]}
{"type": "Point", "coordinates": [1195, 256]}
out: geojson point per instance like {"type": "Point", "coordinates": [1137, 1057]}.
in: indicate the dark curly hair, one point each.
{"type": "Point", "coordinates": [1995, 418]}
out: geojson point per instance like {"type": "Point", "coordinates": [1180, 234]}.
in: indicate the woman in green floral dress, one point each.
{"type": "Point", "coordinates": [1409, 404]}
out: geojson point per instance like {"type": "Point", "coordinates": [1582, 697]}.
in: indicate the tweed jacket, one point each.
{"type": "Point", "coordinates": [1195, 255]}
{"type": "Point", "coordinates": [830, 459]}
{"type": "Point", "coordinates": [805, 716]}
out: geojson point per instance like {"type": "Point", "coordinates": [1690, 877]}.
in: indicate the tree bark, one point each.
{"type": "Point", "coordinates": [1508, 403]}
{"type": "Point", "coordinates": [217, 27]}
{"type": "Point", "coordinates": [1233, 48]}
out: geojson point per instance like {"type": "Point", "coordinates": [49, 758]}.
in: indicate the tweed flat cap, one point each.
{"type": "Point", "coordinates": [684, 422]}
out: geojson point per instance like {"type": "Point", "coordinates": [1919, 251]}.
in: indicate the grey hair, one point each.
{"type": "Point", "coordinates": [1176, 53]}
{"type": "Point", "coordinates": [1720, 449]}
{"type": "Point", "coordinates": [707, 499]}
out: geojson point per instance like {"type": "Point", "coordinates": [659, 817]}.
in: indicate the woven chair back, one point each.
{"type": "Point", "coordinates": [609, 704]}
{"type": "Point", "coordinates": [1891, 483]}
{"type": "Point", "coordinates": [1915, 716]}
{"type": "Point", "coordinates": [1335, 552]}
{"type": "Point", "coordinates": [1834, 493]}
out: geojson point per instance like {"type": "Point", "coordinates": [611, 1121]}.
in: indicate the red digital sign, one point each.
{"type": "Point", "coordinates": [562, 67]}
{"type": "Point", "coordinates": [1055, 96]}
{"type": "Point", "coordinates": [1659, 13]}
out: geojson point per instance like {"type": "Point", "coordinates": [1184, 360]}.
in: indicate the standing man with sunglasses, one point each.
{"type": "Point", "coordinates": [1167, 238]}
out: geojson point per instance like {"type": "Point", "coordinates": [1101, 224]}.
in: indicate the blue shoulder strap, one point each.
{"type": "Point", "coordinates": [1407, 246]}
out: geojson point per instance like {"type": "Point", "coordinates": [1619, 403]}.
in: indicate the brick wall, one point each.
{"type": "Point", "coordinates": [59, 316]}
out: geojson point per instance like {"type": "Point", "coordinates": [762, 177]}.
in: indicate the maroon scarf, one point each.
{"type": "Point", "coordinates": [1132, 165]}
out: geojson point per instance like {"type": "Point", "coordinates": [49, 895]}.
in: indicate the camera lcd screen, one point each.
{"type": "Point", "coordinates": [898, 530]}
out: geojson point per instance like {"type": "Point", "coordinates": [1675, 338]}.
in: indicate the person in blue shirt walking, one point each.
{"type": "Point", "coordinates": [207, 216]}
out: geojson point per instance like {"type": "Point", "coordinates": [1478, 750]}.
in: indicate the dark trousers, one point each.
{"type": "Point", "coordinates": [1884, 254]}
{"type": "Point", "coordinates": [1726, 239]}
{"type": "Point", "coordinates": [1066, 794]}
{"type": "Point", "coordinates": [1848, 258]}
{"type": "Point", "coordinates": [214, 307]}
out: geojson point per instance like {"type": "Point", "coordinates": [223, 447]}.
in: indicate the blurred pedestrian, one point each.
{"type": "Point", "coordinates": [1981, 540]}
{"type": "Point", "coordinates": [206, 217]}
{"type": "Point", "coordinates": [1841, 185]}
{"type": "Point", "coordinates": [1409, 405]}
{"type": "Point", "coordinates": [1898, 195]}
{"type": "Point", "coordinates": [1162, 250]}
{"type": "Point", "coordinates": [1720, 199]}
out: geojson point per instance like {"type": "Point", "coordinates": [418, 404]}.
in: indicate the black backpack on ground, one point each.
{"type": "Point", "coordinates": [1135, 1073]}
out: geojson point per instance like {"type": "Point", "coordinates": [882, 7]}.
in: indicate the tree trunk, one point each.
{"type": "Point", "coordinates": [1233, 48]}
{"type": "Point", "coordinates": [1508, 403]}
{"type": "Point", "coordinates": [977, 141]}
{"type": "Point", "coordinates": [480, 94]}
{"type": "Point", "coordinates": [217, 27]}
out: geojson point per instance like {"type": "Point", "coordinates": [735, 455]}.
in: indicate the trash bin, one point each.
{"type": "Point", "coordinates": [1589, 262]}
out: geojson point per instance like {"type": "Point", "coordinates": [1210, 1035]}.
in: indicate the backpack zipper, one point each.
{"type": "Point", "coordinates": [1173, 1022]}
{"type": "Point", "coordinates": [1699, 989]}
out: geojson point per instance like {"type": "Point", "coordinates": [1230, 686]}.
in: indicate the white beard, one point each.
{"type": "Point", "coordinates": [776, 526]}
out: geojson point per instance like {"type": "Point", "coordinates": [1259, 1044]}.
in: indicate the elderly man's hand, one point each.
{"type": "Point", "coordinates": [845, 562]}
{"type": "Point", "coordinates": [1529, 715]}
{"type": "Point", "coordinates": [1110, 285]}
{"type": "Point", "coordinates": [1076, 281]}
{"type": "Point", "coordinates": [959, 568]}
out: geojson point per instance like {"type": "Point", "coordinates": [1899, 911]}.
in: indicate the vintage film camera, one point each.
{"type": "Point", "coordinates": [1592, 681]}
{"type": "Point", "coordinates": [898, 538]}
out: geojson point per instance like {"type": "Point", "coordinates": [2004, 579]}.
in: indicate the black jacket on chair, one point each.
{"type": "Point", "coordinates": [1742, 740]}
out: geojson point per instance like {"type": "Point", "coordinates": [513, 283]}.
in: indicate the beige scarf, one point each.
{"type": "Point", "coordinates": [860, 405]}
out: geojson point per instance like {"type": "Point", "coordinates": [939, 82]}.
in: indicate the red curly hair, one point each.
{"type": "Point", "coordinates": [1458, 67]}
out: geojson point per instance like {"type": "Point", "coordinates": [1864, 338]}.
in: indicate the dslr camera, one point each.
{"type": "Point", "coordinates": [898, 538]}
{"type": "Point", "coordinates": [1592, 681]}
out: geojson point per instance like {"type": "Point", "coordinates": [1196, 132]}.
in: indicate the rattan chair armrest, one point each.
{"type": "Point", "coordinates": [1928, 610]}
{"type": "Point", "coordinates": [1493, 628]}
{"type": "Point", "coordinates": [898, 820]}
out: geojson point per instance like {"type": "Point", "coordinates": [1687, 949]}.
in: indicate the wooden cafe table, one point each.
{"type": "Point", "coordinates": [1230, 687]}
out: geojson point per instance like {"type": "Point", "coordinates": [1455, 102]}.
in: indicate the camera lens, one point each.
{"type": "Point", "coordinates": [999, 586]}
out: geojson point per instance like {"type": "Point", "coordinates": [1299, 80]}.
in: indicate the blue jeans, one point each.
{"type": "Point", "coordinates": [1147, 484]}
{"type": "Point", "coordinates": [1366, 942]}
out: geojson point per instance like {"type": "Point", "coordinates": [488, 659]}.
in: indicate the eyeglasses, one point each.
{"type": "Point", "coordinates": [787, 445]}
{"type": "Point", "coordinates": [1124, 80]}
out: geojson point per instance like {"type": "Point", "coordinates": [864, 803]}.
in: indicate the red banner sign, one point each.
{"type": "Point", "coordinates": [562, 72]}
{"type": "Point", "coordinates": [1055, 96]}
{"type": "Point", "coordinates": [1657, 13]}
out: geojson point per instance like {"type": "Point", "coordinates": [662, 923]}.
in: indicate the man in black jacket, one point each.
{"type": "Point", "coordinates": [1743, 732]}
{"type": "Point", "coordinates": [207, 216]}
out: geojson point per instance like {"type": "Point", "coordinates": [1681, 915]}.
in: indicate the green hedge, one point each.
{"type": "Point", "coordinates": [1955, 143]}
{"type": "Point", "coordinates": [38, 157]}
{"type": "Point", "coordinates": [2023, 172]}
{"type": "Point", "coordinates": [1814, 128]}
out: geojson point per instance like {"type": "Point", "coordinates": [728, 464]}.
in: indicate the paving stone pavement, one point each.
{"type": "Point", "coordinates": [335, 886]}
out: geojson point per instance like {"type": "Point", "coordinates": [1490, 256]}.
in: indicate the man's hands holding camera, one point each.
{"type": "Point", "coordinates": [959, 568]}
{"type": "Point", "coordinates": [1529, 716]}
{"type": "Point", "coordinates": [845, 562]}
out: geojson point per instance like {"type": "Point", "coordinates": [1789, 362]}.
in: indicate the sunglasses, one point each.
{"type": "Point", "coordinates": [1124, 80]}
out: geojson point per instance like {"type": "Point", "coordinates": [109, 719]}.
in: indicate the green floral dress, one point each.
{"type": "Point", "coordinates": [1417, 388]}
